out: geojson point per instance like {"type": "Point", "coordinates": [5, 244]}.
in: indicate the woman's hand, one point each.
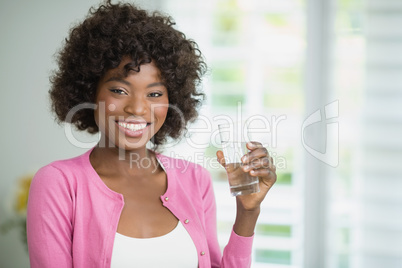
{"type": "Point", "coordinates": [259, 164]}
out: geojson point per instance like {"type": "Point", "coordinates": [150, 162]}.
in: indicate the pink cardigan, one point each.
{"type": "Point", "coordinates": [72, 215]}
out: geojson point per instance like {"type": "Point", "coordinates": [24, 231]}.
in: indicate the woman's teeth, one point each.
{"type": "Point", "coordinates": [133, 127]}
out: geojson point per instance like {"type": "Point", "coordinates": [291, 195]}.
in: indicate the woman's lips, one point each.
{"type": "Point", "coordinates": [133, 129]}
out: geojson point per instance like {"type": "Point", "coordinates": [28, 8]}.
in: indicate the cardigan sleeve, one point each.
{"type": "Point", "coordinates": [49, 220]}
{"type": "Point", "coordinates": [237, 253]}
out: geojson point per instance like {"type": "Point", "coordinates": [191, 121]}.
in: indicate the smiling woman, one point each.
{"type": "Point", "coordinates": [141, 38]}
{"type": "Point", "coordinates": [131, 109]}
{"type": "Point", "coordinates": [120, 202]}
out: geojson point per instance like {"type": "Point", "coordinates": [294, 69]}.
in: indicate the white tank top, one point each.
{"type": "Point", "coordinates": [172, 250]}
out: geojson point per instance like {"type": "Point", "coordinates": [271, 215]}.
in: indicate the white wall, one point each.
{"type": "Point", "coordinates": [30, 34]}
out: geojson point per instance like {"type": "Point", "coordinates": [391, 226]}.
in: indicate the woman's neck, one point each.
{"type": "Point", "coordinates": [113, 160]}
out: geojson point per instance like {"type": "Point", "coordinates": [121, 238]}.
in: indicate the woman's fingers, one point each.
{"type": "Point", "coordinates": [256, 151]}
{"type": "Point", "coordinates": [258, 163]}
{"type": "Point", "coordinates": [220, 158]}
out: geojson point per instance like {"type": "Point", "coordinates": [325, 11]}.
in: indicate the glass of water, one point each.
{"type": "Point", "coordinates": [233, 139]}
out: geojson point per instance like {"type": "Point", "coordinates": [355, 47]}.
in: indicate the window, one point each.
{"type": "Point", "coordinates": [285, 60]}
{"type": "Point", "coordinates": [255, 52]}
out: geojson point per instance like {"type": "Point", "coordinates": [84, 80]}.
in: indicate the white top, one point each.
{"type": "Point", "coordinates": [174, 249]}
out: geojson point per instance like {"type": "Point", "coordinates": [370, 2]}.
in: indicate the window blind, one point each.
{"type": "Point", "coordinates": [377, 234]}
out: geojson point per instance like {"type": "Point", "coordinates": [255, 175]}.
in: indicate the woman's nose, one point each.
{"type": "Point", "coordinates": [136, 106]}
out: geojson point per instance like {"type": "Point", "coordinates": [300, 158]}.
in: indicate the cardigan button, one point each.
{"type": "Point", "coordinates": [186, 221]}
{"type": "Point", "coordinates": [166, 198]}
{"type": "Point", "coordinates": [202, 253]}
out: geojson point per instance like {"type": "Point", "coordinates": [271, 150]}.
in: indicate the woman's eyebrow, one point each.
{"type": "Point", "coordinates": [118, 79]}
{"type": "Point", "coordinates": [156, 84]}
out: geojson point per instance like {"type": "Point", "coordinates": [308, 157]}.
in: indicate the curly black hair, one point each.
{"type": "Point", "coordinates": [98, 44]}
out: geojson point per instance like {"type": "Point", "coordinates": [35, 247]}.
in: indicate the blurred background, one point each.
{"type": "Point", "coordinates": [325, 75]}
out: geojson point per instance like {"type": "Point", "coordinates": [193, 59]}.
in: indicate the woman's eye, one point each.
{"type": "Point", "coordinates": [118, 91]}
{"type": "Point", "coordinates": [155, 94]}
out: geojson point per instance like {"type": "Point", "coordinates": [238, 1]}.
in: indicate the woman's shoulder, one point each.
{"type": "Point", "coordinates": [63, 169]}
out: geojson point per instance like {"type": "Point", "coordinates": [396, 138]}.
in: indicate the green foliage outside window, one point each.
{"type": "Point", "coordinates": [273, 256]}
{"type": "Point", "coordinates": [274, 230]}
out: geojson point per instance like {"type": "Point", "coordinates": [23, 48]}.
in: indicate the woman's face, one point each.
{"type": "Point", "coordinates": [132, 108]}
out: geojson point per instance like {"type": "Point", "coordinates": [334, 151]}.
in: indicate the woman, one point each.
{"type": "Point", "coordinates": [121, 204]}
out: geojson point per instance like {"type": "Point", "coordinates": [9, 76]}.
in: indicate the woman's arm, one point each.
{"type": "Point", "coordinates": [237, 253]}
{"type": "Point", "coordinates": [259, 164]}
{"type": "Point", "coordinates": [49, 220]}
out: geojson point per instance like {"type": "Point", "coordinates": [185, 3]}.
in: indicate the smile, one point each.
{"type": "Point", "coordinates": [133, 126]}
{"type": "Point", "coordinates": [133, 129]}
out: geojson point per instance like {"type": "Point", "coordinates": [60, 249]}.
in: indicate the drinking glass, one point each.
{"type": "Point", "coordinates": [233, 140]}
